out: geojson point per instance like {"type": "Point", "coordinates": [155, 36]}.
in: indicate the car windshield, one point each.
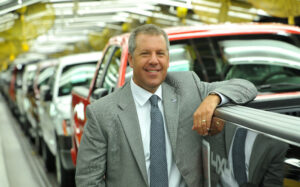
{"type": "Point", "coordinates": [270, 61]}
{"type": "Point", "coordinates": [45, 75]}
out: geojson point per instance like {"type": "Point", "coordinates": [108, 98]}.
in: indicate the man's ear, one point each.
{"type": "Point", "coordinates": [130, 60]}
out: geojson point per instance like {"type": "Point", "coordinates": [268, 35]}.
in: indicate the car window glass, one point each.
{"type": "Point", "coordinates": [129, 72]}
{"type": "Point", "coordinates": [198, 55]}
{"type": "Point", "coordinates": [75, 75]}
{"type": "Point", "coordinates": [45, 75]}
{"type": "Point", "coordinates": [180, 58]}
{"type": "Point", "coordinates": [272, 65]}
{"type": "Point", "coordinates": [112, 72]}
{"type": "Point", "coordinates": [29, 80]}
{"type": "Point", "coordinates": [106, 58]}
{"type": "Point", "coordinates": [270, 61]}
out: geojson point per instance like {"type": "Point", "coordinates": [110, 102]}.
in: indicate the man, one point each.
{"type": "Point", "coordinates": [115, 148]}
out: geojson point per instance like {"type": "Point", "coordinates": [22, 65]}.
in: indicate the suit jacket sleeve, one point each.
{"type": "Point", "coordinates": [91, 159]}
{"type": "Point", "coordinates": [238, 91]}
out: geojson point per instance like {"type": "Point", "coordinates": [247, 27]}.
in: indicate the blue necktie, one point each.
{"type": "Point", "coordinates": [238, 156]}
{"type": "Point", "coordinates": [158, 160]}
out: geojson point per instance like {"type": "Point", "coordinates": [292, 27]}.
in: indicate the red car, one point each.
{"type": "Point", "coordinates": [266, 54]}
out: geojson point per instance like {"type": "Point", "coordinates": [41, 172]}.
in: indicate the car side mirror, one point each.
{"type": "Point", "coordinates": [45, 93]}
{"type": "Point", "coordinates": [99, 92]}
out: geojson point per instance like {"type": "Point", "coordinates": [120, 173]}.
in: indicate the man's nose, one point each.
{"type": "Point", "coordinates": [154, 58]}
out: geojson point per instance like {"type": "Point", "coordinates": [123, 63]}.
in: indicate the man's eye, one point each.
{"type": "Point", "coordinates": [144, 53]}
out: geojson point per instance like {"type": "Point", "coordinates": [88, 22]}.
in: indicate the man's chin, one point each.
{"type": "Point", "coordinates": [152, 87]}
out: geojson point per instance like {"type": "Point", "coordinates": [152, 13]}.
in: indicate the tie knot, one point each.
{"type": "Point", "coordinates": [154, 100]}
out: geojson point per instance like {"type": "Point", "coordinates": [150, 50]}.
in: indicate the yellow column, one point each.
{"type": "Point", "coordinates": [223, 13]}
{"type": "Point", "coordinates": [291, 20]}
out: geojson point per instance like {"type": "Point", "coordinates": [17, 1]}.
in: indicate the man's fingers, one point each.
{"type": "Point", "coordinates": [209, 119]}
{"type": "Point", "coordinates": [202, 124]}
{"type": "Point", "coordinates": [203, 116]}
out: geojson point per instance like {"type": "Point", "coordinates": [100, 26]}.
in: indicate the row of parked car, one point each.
{"type": "Point", "coordinates": [39, 94]}
{"type": "Point", "coordinates": [50, 96]}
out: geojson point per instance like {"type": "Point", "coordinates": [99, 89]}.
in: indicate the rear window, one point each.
{"type": "Point", "coordinates": [270, 61]}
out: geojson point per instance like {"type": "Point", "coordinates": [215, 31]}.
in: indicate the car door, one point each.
{"type": "Point", "coordinates": [46, 111]}
{"type": "Point", "coordinates": [272, 147]}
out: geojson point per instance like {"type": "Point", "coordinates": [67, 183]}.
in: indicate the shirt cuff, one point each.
{"type": "Point", "coordinates": [223, 98]}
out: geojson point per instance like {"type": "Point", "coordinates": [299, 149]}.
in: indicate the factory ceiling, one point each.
{"type": "Point", "coordinates": [58, 27]}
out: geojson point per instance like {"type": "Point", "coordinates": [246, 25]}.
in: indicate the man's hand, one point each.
{"type": "Point", "coordinates": [203, 114]}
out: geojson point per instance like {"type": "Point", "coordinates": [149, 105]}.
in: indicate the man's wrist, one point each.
{"type": "Point", "coordinates": [217, 97]}
{"type": "Point", "coordinates": [223, 98]}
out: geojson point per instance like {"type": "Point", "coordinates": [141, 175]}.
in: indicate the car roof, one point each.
{"type": "Point", "coordinates": [176, 33]}
{"type": "Point", "coordinates": [185, 32]}
{"type": "Point", "coordinates": [79, 58]}
{"type": "Point", "coordinates": [46, 63]}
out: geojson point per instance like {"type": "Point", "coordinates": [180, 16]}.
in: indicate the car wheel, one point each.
{"type": "Point", "coordinates": [48, 158]}
{"type": "Point", "coordinates": [65, 178]}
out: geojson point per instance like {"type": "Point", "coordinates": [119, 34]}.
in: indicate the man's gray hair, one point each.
{"type": "Point", "coordinates": [149, 29]}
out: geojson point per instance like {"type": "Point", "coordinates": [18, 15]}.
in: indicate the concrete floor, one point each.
{"type": "Point", "coordinates": [19, 164]}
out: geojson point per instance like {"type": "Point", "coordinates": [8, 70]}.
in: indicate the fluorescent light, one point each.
{"type": "Point", "coordinates": [3, 2]}
{"type": "Point", "coordinates": [207, 9]}
{"type": "Point", "coordinates": [209, 19]}
{"type": "Point", "coordinates": [206, 3]}
{"type": "Point", "coordinates": [242, 15]}
{"type": "Point", "coordinates": [16, 5]}
{"type": "Point", "coordinates": [178, 3]}
{"type": "Point", "coordinates": [60, 38]}
{"type": "Point", "coordinates": [37, 15]}
{"type": "Point", "coordinates": [58, 1]}
{"type": "Point", "coordinates": [6, 26]}
{"type": "Point", "coordinates": [93, 19]}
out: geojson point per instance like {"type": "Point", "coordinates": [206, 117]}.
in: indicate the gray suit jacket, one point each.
{"type": "Point", "coordinates": [111, 150]}
{"type": "Point", "coordinates": [267, 159]}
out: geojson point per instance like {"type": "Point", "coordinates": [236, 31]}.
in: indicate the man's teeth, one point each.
{"type": "Point", "coordinates": [153, 71]}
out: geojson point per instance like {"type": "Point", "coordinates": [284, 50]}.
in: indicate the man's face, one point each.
{"type": "Point", "coordinates": [149, 61]}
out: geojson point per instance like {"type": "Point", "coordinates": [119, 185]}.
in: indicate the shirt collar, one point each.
{"type": "Point", "coordinates": [140, 95]}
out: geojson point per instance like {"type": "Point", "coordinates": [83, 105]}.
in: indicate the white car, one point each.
{"type": "Point", "coordinates": [54, 111]}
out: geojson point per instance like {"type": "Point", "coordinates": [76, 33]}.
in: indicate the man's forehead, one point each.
{"type": "Point", "coordinates": [142, 45]}
{"type": "Point", "coordinates": [149, 35]}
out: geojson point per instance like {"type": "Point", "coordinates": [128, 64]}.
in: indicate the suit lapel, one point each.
{"type": "Point", "coordinates": [171, 112]}
{"type": "Point", "coordinates": [129, 121]}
